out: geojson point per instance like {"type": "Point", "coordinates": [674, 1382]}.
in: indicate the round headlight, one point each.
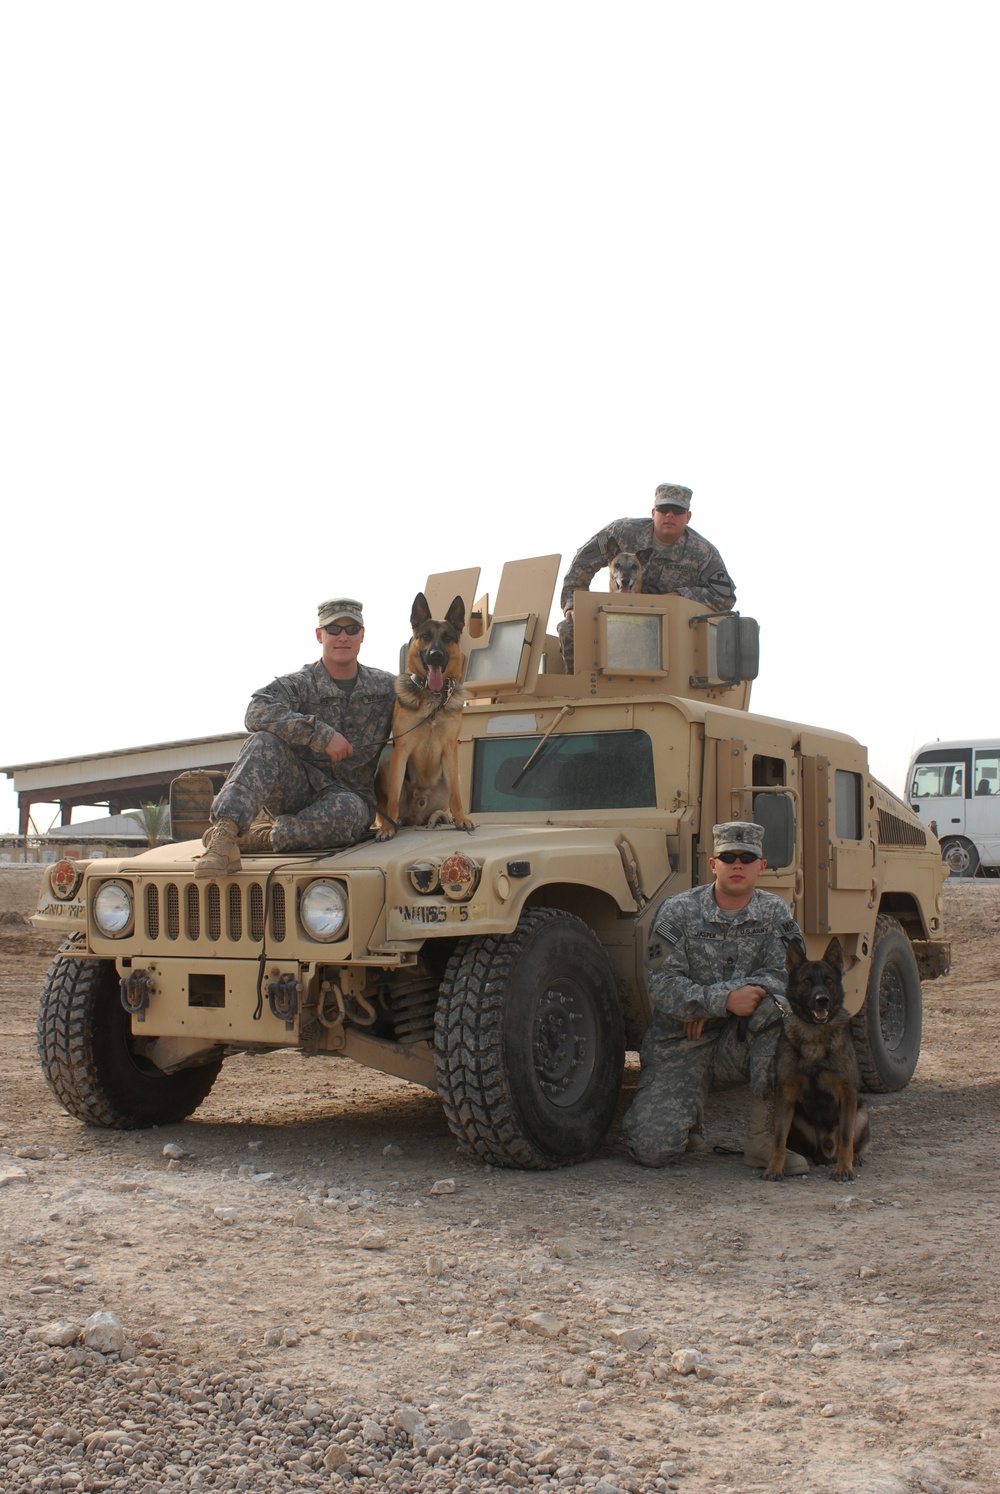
{"type": "Point", "coordinates": [323, 909]}
{"type": "Point", "coordinates": [113, 908]}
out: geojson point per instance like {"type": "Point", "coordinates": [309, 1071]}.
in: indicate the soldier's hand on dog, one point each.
{"type": "Point", "coordinates": [337, 748]}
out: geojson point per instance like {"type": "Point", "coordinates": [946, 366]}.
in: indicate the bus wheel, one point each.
{"type": "Point", "coordinates": [960, 856]}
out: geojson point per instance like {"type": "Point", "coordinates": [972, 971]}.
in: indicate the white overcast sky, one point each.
{"type": "Point", "coordinates": [308, 299]}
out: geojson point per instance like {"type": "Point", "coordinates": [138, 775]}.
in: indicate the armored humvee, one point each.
{"type": "Point", "coordinates": [504, 968]}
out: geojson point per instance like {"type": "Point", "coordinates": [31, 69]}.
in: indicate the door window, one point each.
{"type": "Point", "coordinates": [938, 781]}
{"type": "Point", "coordinates": [986, 773]}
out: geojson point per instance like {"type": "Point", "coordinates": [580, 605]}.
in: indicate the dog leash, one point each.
{"type": "Point", "coordinates": [443, 697]}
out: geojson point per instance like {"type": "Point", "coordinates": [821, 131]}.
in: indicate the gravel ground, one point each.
{"type": "Point", "coordinates": [309, 1287]}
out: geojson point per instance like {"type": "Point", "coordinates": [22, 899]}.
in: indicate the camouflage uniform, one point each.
{"type": "Point", "coordinates": [699, 953]}
{"type": "Point", "coordinates": [691, 567]}
{"type": "Point", "coordinates": [283, 766]}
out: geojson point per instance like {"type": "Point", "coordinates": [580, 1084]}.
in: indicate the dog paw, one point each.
{"type": "Point", "coordinates": [774, 1177]}
{"type": "Point", "coordinates": [465, 824]}
{"type": "Point", "coordinates": [385, 834]}
{"type": "Point", "coordinates": [843, 1177]}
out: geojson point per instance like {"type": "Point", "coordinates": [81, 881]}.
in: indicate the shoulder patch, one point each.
{"type": "Point", "coordinates": [666, 928]}
{"type": "Point", "coordinates": [788, 930]}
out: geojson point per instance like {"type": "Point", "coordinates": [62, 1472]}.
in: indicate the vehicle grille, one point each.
{"type": "Point", "coordinates": [226, 917]}
{"type": "Point", "coordinates": [892, 831]}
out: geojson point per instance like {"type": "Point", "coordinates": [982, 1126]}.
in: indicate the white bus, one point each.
{"type": "Point", "coordinates": [955, 789]}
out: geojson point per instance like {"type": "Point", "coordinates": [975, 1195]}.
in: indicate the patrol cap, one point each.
{"type": "Point", "coordinates": [738, 835]}
{"type": "Point", "coordinates": [672, 495]}
{"type": "Point", "coordinates": [339, 607]}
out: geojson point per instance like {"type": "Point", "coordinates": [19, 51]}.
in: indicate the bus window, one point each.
{"type": "Point", "coordinates": [937, 781]}
{"type": "Point", "coordinates": [986, 773]}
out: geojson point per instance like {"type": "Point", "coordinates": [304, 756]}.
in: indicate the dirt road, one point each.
{"type": "Point", "coordinates": [322, 1292]}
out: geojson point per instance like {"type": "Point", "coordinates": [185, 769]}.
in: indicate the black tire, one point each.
{"type": "Point", "coordinates": [887, 1029]}
{"type": "Point", "coordinates": [959, 856]}
{"type": "Point", "coordinates": [529, 1042]}
{"type": "Point", "coordinates": [89, 1057]}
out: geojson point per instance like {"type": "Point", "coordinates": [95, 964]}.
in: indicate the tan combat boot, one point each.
{"type": "Point", "coordinates": [258, 840]}
{"type": "Point", "coordinates": [760, 1140]}
{"type": "Point", "coordinates": [221, 856]}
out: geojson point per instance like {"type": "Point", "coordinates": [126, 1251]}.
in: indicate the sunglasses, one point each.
{"type": "Point", "coordinates": [335, 629]}
{"type": "Point", "coordinates": [670, 508]}
{"type": "Point", "coordinates": [745, 858]}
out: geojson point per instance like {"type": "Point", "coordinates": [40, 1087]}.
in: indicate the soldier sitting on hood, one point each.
{"type": "Point", "coordinates": [305, 777]}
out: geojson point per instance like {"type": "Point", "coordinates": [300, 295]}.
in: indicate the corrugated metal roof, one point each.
{"type": "Point", "coordinates": [111, 827]}
{"type": "Point", "coordinates": [93, 757]}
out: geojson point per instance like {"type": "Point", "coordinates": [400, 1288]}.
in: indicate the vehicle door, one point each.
{"type": "Point", "coordinates": [982, 808]}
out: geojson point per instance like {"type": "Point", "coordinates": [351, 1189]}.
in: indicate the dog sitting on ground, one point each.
{"type": "Point", "coordinates": [418, 784]}
{"type": "Point", "coordinates": [816, 1109]}
{"type": "Point", "coordinates": [626, 570]}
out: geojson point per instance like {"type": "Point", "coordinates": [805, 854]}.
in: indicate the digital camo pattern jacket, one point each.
{"type": "Point", "coordinates": [691, 567]}
{"type": "Point", "coordinates": [306, 708]}
{"type": "Point", "coordinates": [698, 953]}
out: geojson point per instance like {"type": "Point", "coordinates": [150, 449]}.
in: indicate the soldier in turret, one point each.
{"type": "Point", "coordinates": [674, 558]}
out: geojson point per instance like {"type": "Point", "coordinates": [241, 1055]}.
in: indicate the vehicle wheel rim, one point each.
{"type": "Point", "coordinates": [563, 1043]}
{"type": "Point", "coordinates": [892, 1008]}
{"type": "Point", "coordinates": [957, 859]}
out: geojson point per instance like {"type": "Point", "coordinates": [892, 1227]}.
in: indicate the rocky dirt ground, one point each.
{"type": "Point", "coordinates": [319, 1291]}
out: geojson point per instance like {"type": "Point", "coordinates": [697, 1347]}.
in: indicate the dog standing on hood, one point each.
{"type": "Point", "coordinates": [816, 1087]}
{"type": "Point", "coordinates": [420, 786]}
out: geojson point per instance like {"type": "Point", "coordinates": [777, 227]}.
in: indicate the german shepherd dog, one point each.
{"type": "Point", "coordinates": [419, 785]}
{"type": "Point", "coordinates": [816, 1108]}
{"type": "Point", "coordinates": [626, 570]}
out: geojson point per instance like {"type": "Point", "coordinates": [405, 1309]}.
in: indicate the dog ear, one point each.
{"type": "Point", "coordinates": [456, 615]}
{"type": "Point", "coordinates": [643, 556]}
{"type": "Point", "coordinates": [420, 612]}
{"type": "Point", "coordinates": [834, 954]}
{"type": "Point", "coordinates": [795, 956]}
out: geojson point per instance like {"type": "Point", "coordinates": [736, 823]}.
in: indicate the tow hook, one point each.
{"type": "Point", "coordinates": [137, 987]}
{"type": "Point", "coordinates": [283, 998]}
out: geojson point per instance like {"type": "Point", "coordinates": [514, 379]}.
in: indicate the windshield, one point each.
{"type": "Point", "coordinates": [938, 781]}
{"type": "Point", "coordinates": [576, 771]}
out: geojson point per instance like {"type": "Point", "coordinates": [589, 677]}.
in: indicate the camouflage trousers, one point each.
{"type": "Point", "coordinates": [678, 1073]}
{"type": "Point", "coordinates": [311, 813]}
{"type": "Point", "coordinates": [565, 632]}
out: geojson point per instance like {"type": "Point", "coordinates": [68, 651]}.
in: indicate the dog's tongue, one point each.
{"type": "Point", "coordinates": [435, 679]}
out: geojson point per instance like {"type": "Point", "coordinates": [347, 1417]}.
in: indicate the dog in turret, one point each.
{"type": "Point", "coordinates": [625, 570]}
{"type": "Point", "coordinates": [418, 782]}
{"type": "Point", "coordinates": [816, 1110]}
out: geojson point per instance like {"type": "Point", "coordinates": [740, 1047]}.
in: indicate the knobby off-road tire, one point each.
{"type": "Point", "coordinates": [88, 1055]}
{"type": "Point", "coordinates": [959, 856]}
{"type": "Point", "coordinates": [529, 1042]}
{"type": "Point", "coordinates": [887, 1029]}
